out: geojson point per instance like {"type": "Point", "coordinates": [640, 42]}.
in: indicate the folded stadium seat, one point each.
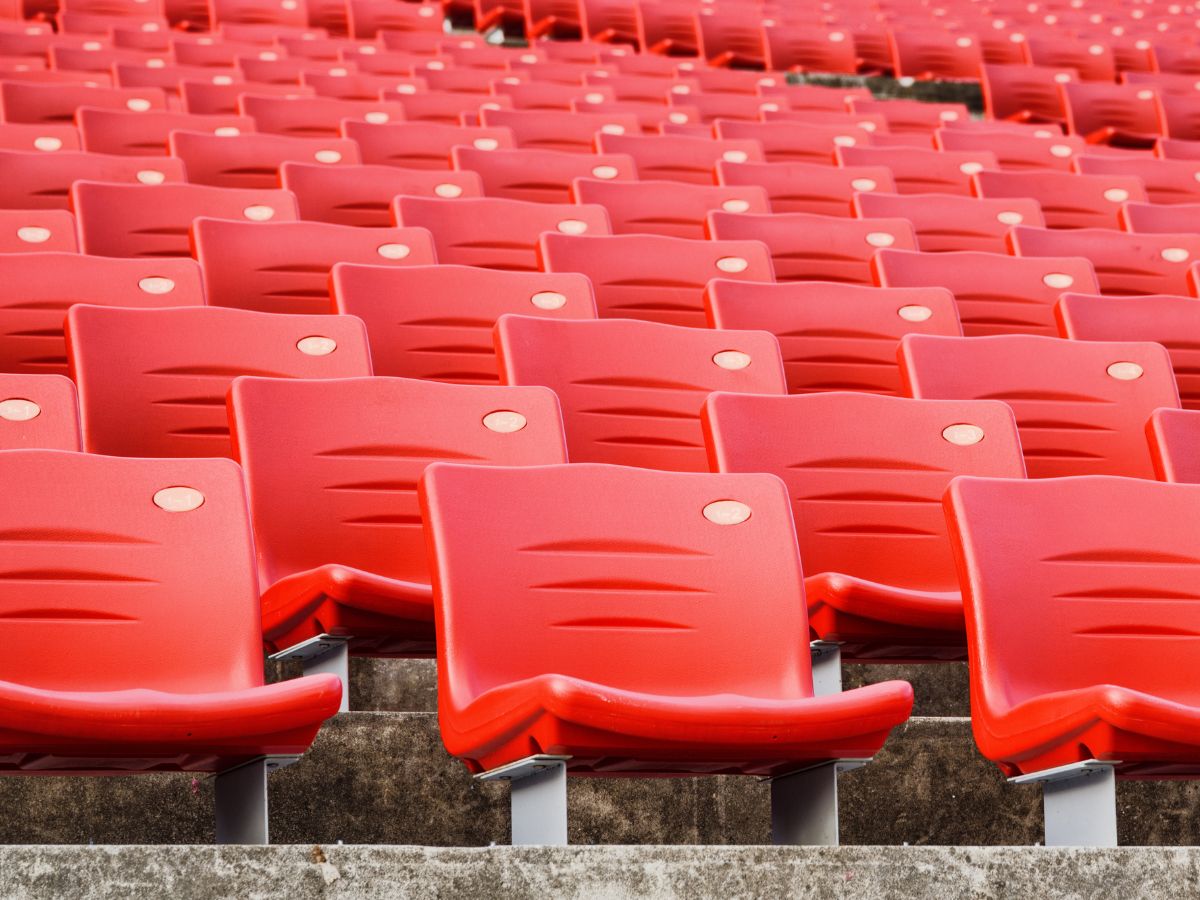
{"type": "Point", "coordinates": [612, 22]}
{"type": "Point", "coordinates": [911, 115]}
{"type": "Point", "coordinates": [669, 208]}
{"type": "Point", "coordinates": [631, 391]}
{"type": "Point", "coordinates": [678, 158]}
{"type": "Point", "coordinates": [446, 107]}
{"type": "Point", "coordinates": [602, 681]}
{"type": "Point", "coordinates": [125, 133]}
{"type": "Point", "coordinates": [651, 277]}
{"type": "Point", "coordinates": [638, 88]}
{"type": "Point", "coordinates": [362, 195]}
{"type": "Point", "coordinates": [37, 230]}
{"type": "Point", "coordinates": [494, 233]}
{"type": "Point", "coordinates": [43, 138]}
{"type": "Point", "coordinates": [922, 171]}
{"type": "Point", "coordinates": [794, 141]}
{"type": "Point", "coordinates": [253, 160]}
{"type": "Point", "coordinates": [539, 176]}
{"type": "Point", "coordinates": [568, 132]}
{"type": "Point", "coordinates": [994, 293]}
{"type": "Point", "coordinates": [931, 54]}
{"type": "Point", "coordinates": [1172, 321]}
{"type": "Point", "coordinates": [729, 37]}
{"type": "Point", "coordinates": [363, 87]}
{"type": "Point", "coordinates": [772, 111]}
{"type": "Point", "coordinates": [653, 117]}
{"type": "Point", "coordinates": [1167, 181]}
{"type": "Point", "coordinates": [153, 220]}
{"type": "Point", "coordinates": [201, 49]}
{"type": "Point", "coordinates": [316, 45]}
{"type": "Point", "coordinates": [40, 287]}
{"type": "Point", "coordinates": [368, 18]}
{"type": "Point", "coordinates": [1180, 114]}
{"type": "Point", "coordinates": [1105, 567]}
{"type": "Point", "coordinates": [169, 78]}
{"type": "Point", "coordinates": [283, 267]}
{"type": "Point", "coordinates": [1016, 151]}
{"type": "Point", "coordinates": [806, 247]}
{"type": "Point", "coordinates": [56, 103]}
{"type": "Point", "coordinates": [36, 180]}
{"type": "Point", "coordinates": [714, 106]}
{"type": "Point", "coordinates": [421, 145]}
{"type": "Point", "coordinates": [1122, 115]}
{"type": "Point", "coordinates": [547, 96]}
{"type": "Point", "coordinates": [804, 48]}
{"type": "Point", "coordinates": [881, 585]}
{"type": "Point", "coordinates": [945, 223]}
{"type": "Point", "coordinates": [164, 548]}
{"type": "Point", "coordinates": [668, 28]}
{"type": "Point", "coordinates": [1150, 218]}
{"type": "Point", "coordinates": [164, 393]}
{"type": "Point", "coordinates": [454, 80]}
{"type": "Point", "coordinates": [812, 97]}
{"type": "Point", "coordinates": [38, 412]}
{"type": "Point", "coordinates": [369, 59]}
{"type": "Point", "coordinates": [430, 43]}
{"type": "Point", "coordinates": [92, 57]}
{"type": "Point", "coordinates": [834, 337]}
{"type": "Point", "coordinates": [258, 12]}
{"type": "Point", "coordinates": [1081, 406]}
{"type": "Point", "coordinates": [435, 322]}
{"type": "Point", "coordinates": [807, 187]}
{"type": "Point", "coordinates": [313, 117]}
{"type": "Point", "coordinates": [1173, 436]}
{"type": "Point", "coordinates": [207, 99]}
{"type": "Point", "coordinates": [1091, 60]}
{"type": "Point", "coordinates": [1068, 200]}
{"type": "Point", "coordinates": [1125, 264]}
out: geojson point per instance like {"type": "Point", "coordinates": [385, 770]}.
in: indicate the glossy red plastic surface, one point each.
{"type": "Point", "coordinates": [362, 195]}
{"type": "Point", "coordinates": [944, 223]}
{"type": "Point", "coordinates": [540, 176]}
{"type": "Point", "coordinates": [794, 141]}
{"type": "Point", "coordinates": [421, 145]}
{"type": "Point", "coordinates": [1105, 113]}
{"type": "Point", "coordinates": [911, 115]}
{"type": "Point", "coordinates": [1174, 435]}
{"type": "Point", "coordinates": [676, 157]}
{"type": "Point", "coordinates": [934, 54]}
{"type": "Point", "coordinates": [1040, 148]}
{"type": "Point", "coordinates": [1081, 406]}
{"type": "Point", "coordinates": [51, 138]}
{"type": "Point", "coordinates": [208, 99]}
{"type": "Point", "coordinates": [36, 180]}
{"type": "Point", "coordinates": [126, 133]}
{"type": "Point", "coordinates": [1025, 93]}
{"type": "Point", "coordinates": [253, 160]}
{"type": "Point", "coordinates": [1152, 218]}
{"type": "Point", "coordinates": [593, 652]}
{"type": "Point", "coordinates": [807, 187]}
{"type": "Point", "coordinates": [917, 170]}
{"type": "Point", "coordinates": [669, 208]}
{"type": "Point", "coordinates": [38, 412]}
{"type": "Point", "coordinates": [56, 103]}
{"type": "Point", "coordinates": [561, 130]}
{"type": "Point", "coordinates": [1167, 181]}
{"type": "Point", "coordinates": [37, 231]}
{"type": "Point", "coordinates": [313, 117]}
{"type": "Point", "coordinates": [1068, 200]}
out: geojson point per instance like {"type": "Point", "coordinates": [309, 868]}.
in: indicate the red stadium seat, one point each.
{"type": "Point", "coordinates": [728, 37]}
{"type": "Point", "coordinates": [1124, 263]}
{"type": "Point", "coordinates": [126, 133]}
{"type": "Point", "coordinates": [1150, 218]}
{"type": "Point", "coordinates": [153, 220]}
{"type": "Point", "coordinates": [56, 103]}
{"type": "Point", "coordinates": [1093, 61]}
{"type": "Point", "coordinates": [540, 176]}
{"type": "Point", "coordinates": [362, 195]}
{"type": "Point", "coordinates": [922, 171]}
{"type": "Point", "coordinates": [1016, 151]}
{"type": "Point", "coordinates": [603, 676]}
{"type": "Point", "coordinates": [34, 180]}
{"type": "Point", "coordinates": [911, 115]}
{"type": "Point", "coordinates": [1173, 436]}
{"type": "Point", "coordinates": [1118, 114]}
{"type": "Point", "coordinates": [935, 55]}
{"type": "Point", "coordinates": [569, 132]}
{"type": "Point", "coordinates": [258, 12]}
{"type": "Point", "coordinates": [174, 566]}
{"type": "Point", "coordinates": [44, 138]}
{"type": "Point", "coordinates": [631, 392]}
{"type": "Point", "coordinates": [169, 79]}
{"type": "Point", "coordinates": [650, 277]}
{"type": "Point", "coordinates": [367, 18]}
{"type": "Point", "coordinates": [1105, 567]}
{"type": "Point", "coordinates": [311, 117]}
{"type": "Point", "coordinates": [794, 141]}
{"type": "Point", "coordinates": [1067, 200]}
{"type": "Point", "coordinates": [805, 247]}
{"type": "Point", "coordinates": [38, 412]}
{"type": "Point", "coordinates": [164, 393]}
{"type": "Point", "coordinates": [669, 28]}
{"type": "Point", "coordinates": [803, 48]}
{"type": "Point", "coordinates": [207, 99]}
{"type": "Point", "coordinates": [1173, 148]}
{"type": "Point", "coordinates": [422, 145]}
{"type": "Point", "coordinates": [945, 223]}
{"type": "Point", "coordinates": [1180, 113]}
{"type": "Point", "coordinates": [495, 233]}
{"type": "Point", "coordinates": [283, 267]}
{"type": "Point", "coordinates": [548, 96]}
{"type": "Point", "coordinates": [880, 578]}
{"type": "Point", "coordinates": [1026, 93]}
{"type": "Point", "coordinates": [435, 322]}
{"type": "Point", "coordinates": [37, 230]}
{"type": "Point", "coordinates": [444, 107]}
{"type": "Point", "coordinates": [670, 208]}
{"type": "Point", "coordinates": [678, 158]}
{"type": "Point", "coordinates": [1081, 406]}
{"type": "Point", "coordinates": [834, 337]}
{"type": "Point", "coordinates": [1166, 180]}
{"type": "Point", "coordinates": [995, 294]}
{"type": "Point", "coordinates": [253, 160]}
{"type": "Point", "coordinates": [808, 188]}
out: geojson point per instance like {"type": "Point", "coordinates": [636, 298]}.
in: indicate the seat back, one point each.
{"type": "Point", "coordinates": [421, 145]}
{"type": "Point", "coordinates": [1167, 181]}
{"type": "Point", "coordinates": [541, 176]}
{"type": "Point", "coordinates": [36, 180]}
{"type": "Point", "coordinates": [37, 231]}
{"type": "Point", "coordinates": [56, 103]}
{"type": "Point", "coordinates": [1106, 111]}
{"type": "Point", "coordinates": [1068, 200]}
{"type": "Point", "coordinates": [565, 131]}
{"type": "Point", "coordinates": [1174, 435]}
{"type": "Point", "coordinates": [253, 160]}
{"type": "Point", "coordinates": [676, 157]}
{"type": "Point", "coordinates": [923, 170]}
{"type": "Point", "coordinates": [945, 223]}
{"type": "Point", "coordinates": [1025, 93]}
{"type": "Point", "coordinates": [1155, 218]}
{"type": "Point", "coordinates": [808, 187]}
{"type": "Point", "coordinates": [669, 208]}
{"type": "Point", "coordinates": [313, 117]}
{"type": "Point", "coordinates": [38, 412]}
{"type": "Point", "coordinates": [126, 133]}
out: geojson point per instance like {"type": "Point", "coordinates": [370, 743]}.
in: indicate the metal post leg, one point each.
{"type": "Point", "coordinates": [335, 661]}
{"type": "Point", "coordinates": [242, 804]}
{"type": "Point", "coordinates": [539, 807]}
{"type": "Point", "coordinates": [1080, 803]}
{"type": "Point", "coordinates": [826, 667]}
{"type": "Point", "coordinates": [804, 806]}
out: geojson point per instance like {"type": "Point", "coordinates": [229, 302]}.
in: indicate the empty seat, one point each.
{"type": "Point", "coordinates": [1119, 114]}
{"type": "Point", "coordinates": [153, 220]}
{"type": "Point", "coordinates": [567, 132]}
{"type": "Point", "coordinates": [794, 141]}
{"type": "Point", "coordinates": [1091, 60]}
{"type": "Point", "coordinates": [805, 247]}
{"type": "Point", "coordinates": [834, 337]}
{"type": "Point", "coordinates": [1081, 406]}
{"type": "Point", "coordinates": [125, 133]}
{"type": "Point", "coordinates": [38, 412]}
{"type": "Point", "coordinates": [421, 145]}
{"type": "Point", "coordinates": [1173, 322]}
{"type": "Point", "coordinates": [313, 117]}
{"type": "Point", "coordinates": [126, 566]}
{"type": "Point", "coordinates": [1067, 200]}
{"type": "Point", "coordinates": [163, 393]}
{"type": "Point", "coordinates": [1180, 113]}
{"type": "Point", "coordinates": [650, 277]}
{"type": "Point", "coordinates": [367, 18]}
{"type": "Point", "coordinates": [1017, 151]}
{"type": "Point", "coordinates": [435, 322]}
{"type": "Point", "coordinates": [804, 48]}
{"type": "Point", "coordinates": [678, 158]}
{"type": "Point", "coordinates": [444, 107]}
{"type": "Point", "coordinates": [40, 287]}
{"type": "Point", "coordinates": [1174, 435]}
{"type": "Point", "coordinates": [631, 391]}
{"type": "Point", "coordinates": [1107, 569]}
{"type": "Point", "coordinates": [37, 230]}
{"type": "Point", "coordinates": [728, 37]}
{"type": "Point", "coordinates": [495, 233]}
{"type": "Point", "coordinates": [911, 116]}
{"type": "Point", "coordinates": [945, 223]}
{"type": "Point", "coordinates": [807, 187]}
{"type": "Point", "coordinates": [1124, 263]}
{"type": "Point", "coordinates": [933, 54]}
{"type": "Point", "coordinates": [208, 99]}
{"type": "Point", "coordinates": [1026, 93]}
{"type": "Point", "coordinates": [880, 581]}
{"type": "Point", "coordinates": [1150, 218]}
{"type": "Point", "coordinates": [258, 12]}
{"type": "Point", "coordinates": [46, 138]}
{"type": "Point", "coordinates": [922, 171]}
{"type": "Point", "coordinates": [33, 180]}
{"type": "Point", "coordinates": [56, 103]}
{"type": "Point", "coordinates": [670, 208]}
{"type": "Point", "coordinates": [604, 675]}
{"type": "Point", "coordinates": [362, 195]}
{"type": "Point", "coordinates": [253, 160]}
{"type": "Point", "coordinates": [1167, 180]}
{"type": "Point", "coordinates": [283, 267]}
{"type": "Point", "coordinates": [995, 294]}
{"type": "Point", "coordinates": [540, 176]}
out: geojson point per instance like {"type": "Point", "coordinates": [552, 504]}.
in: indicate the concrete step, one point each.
{"type": "Point", "coordinates": [612, 873]}
{"type": "Point", "coordinates": [383, 778]}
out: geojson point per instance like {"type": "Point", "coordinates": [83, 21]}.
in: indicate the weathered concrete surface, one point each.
{"type": "Point", "coordinates": [596, 873]}
{"type": "Point", "coordinates": [939, 689]}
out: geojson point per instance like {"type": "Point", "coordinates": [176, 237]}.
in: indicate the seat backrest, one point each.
{"type": "Point", "coordinates": [421, 145]}
{"type": "Point", "coordinates": [918, 170]}
{"type": "Point", "coordinates": [931, 53]}
{"type": "Point", "coordinates": [36, 180]}
{"type": "Point", "coordinates": [1157, 218]}
{"type": "Point", "coordinates": [808, 187]}
{"type": "Point", "coordinates": [806, 48]}
{"type": "Point", "coordinates": [162, 393]}
{"type": "Point", "coordinates": [126, 133]}
{"type": "Point", "coordinates": [1068, 200]}
{"type": "Point", "coordinates": [38, 412]}
{"type": "Point", "coordinates": [564, 131]}
{"type": "Point", "coordinates": [253, 160]}
{"type": "Point", "coordinates": [1092, 60]}
{"type": "Point", "coordinates": [435, 322]}
{"type": "Point", "coordinates": [631, 392]}
{"type": "Point", "coordinates": [912, 116]}
{"type": "Point", "coordinates": [1097, 110]}
{"type": "Point", "coordinates": [676, 157]}
{"type": "Point", "coordinates": [205, 98]}
{"type": "Point", "coordinates": [155, 555]}
{"type": "Point", "coordinates": [37, 231]}
{"type": "Point", "coordinates": [594, 592]}
{"type": "Point", "coordinates": [946, 223]}
{"type": "Point", "coordinates": [283, 267]}
{"type": "Point", "coordinates": [784, 142]}
{"type": "Point", "coordinates": [834, 337]}
{"type": "Point", "coordinates": [332, 466]}
{"type": "Point", "coordinates": [1167, 181]}
{"type": "Point", "coordinates": [541, 176]}
{"type": "Point", "coordinates": [313, 117]}
{"type": "Point", "coordinates": [46, 138]}
{"type": "Point", "coordinates": [1025, 93]}
{"type": "Point", "coordinates": [1035, 150]}
{"type": "Point", "coordinates": [1174, 435]}
{"type": "Point", "coordinates": [669, 208]}
{"type": "Point", "coordinates": [56, 103]}
{"type": "Point", "coordinates": [1081, 406]}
